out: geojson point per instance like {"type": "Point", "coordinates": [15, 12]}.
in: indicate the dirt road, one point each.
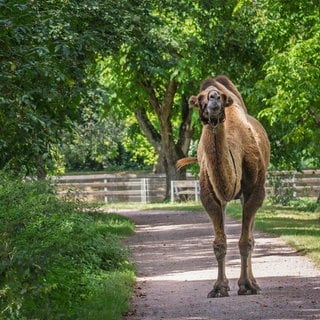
{"type": "Point", "coordinates": [176, 268]}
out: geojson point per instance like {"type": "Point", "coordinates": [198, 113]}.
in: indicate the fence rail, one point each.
{"type": "Point", "coordinates": [150, 187]}
{"type": "Point", "coordinates": [112, 188]}
{"type": "Point", "coordinates": [282, 183]}
{"type": "Point", "coordinates": [185, 190]}
{"type": "Point", "coordinates": [295, 184]}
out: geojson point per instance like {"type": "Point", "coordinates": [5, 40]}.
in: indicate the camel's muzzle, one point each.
{"type": "Point", "coordinates": [214, 106]}
{"type": "Point", "coordinates": [213, 110]}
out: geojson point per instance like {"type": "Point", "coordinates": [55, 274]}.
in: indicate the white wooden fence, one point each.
{"type": "Point", "coordinates": [287, 183]}
{"type": "Point", "coordinates": [151, 188]}
{"type": "Point", "coordinates": [185, 190]}
{"type": "Point", "coordinates": [112, 188]}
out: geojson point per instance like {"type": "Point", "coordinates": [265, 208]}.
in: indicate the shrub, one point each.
{"type": "Point", "coordinates": [56, 257]}
{"type": "Point", "coordinates": [282, 191]}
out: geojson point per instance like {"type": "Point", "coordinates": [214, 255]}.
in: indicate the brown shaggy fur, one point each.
{"type": "Point", "coordinates": [233, 155]}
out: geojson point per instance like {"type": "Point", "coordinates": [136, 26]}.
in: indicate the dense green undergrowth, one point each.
{"type": "Point", "coordinates": [60, 259]}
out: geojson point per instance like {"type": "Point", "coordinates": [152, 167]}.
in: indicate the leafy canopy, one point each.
{"type": "Point", "coordinates": [47, 51]}
{"type": "Point", "coordinates": [289, 31]}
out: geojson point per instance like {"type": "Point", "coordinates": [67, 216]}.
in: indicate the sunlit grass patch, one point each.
{"type": "Point", "coordinates": [173, 206]}
{"type": "Point", "coordinates": [109, 300]}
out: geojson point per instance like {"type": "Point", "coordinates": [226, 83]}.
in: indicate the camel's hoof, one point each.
{"type": "Point", "coordinates": [248, 290]}
{"type": "Point", "coordinates": [219, 292]}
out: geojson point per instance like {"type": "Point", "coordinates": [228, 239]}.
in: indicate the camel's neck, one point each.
{"type": "Point", "coordinates": [219, 161]}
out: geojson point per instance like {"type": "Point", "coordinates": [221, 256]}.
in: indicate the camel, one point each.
{"type": "Point", "coordinates": [233, 154]}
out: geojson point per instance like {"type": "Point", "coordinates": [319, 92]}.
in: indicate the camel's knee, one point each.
{"type": "Point", "coordinates": [246, 247]}
{"type": "Point", "coordinates": [220, 249]}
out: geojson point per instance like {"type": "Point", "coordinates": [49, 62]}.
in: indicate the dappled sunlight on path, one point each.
{"type": "Point", "coordinates": [176, 269]}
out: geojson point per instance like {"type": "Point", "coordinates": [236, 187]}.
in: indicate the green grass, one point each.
{"type": "Point", "coordinates": [172, 206]}
{"type": "Point", "coordinates": [58, 259]}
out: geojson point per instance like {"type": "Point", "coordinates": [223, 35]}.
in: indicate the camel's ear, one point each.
{"type": "Point", "coordinates": [228, 100]}
{"type": "Point", "coordinates": [193, 102]}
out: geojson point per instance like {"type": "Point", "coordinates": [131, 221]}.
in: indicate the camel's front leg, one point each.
{"type": "Point", "coordinates": [221, 286]}
{"type": "Point", "coordinates": [247, 283]}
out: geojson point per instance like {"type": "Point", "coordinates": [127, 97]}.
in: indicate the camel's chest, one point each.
{"type": "Point", "coordinates": [221, 174]}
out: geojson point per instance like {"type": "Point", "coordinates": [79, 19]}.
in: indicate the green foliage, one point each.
{"type": "Point", "coordinates": [282, 191]}
{"type": "Point", "coordinates": [182, 43]}
{"type": "Point", "coordinates": [57, 259]}
{"type": "Point", "coordinates": [47, 52]}
{"type": "Point", "coordinates": [60, 57]}
{"type": "Point", "coordinates": [289, 32]}
{"type": "Point", "coordinates": [96, 143]}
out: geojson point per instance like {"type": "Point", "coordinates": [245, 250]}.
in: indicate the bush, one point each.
{"type": "Point", "coordinates": [282, 191]}
{"type": "Point", "coordinates": [56, 257]}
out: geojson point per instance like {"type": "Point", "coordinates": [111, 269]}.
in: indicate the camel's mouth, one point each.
{"type": "Point", "coordinates": [214, 114]}
{"type": "Point", "coordinates": [215, 120]}
{"type": "Point", "coordinates": [213, 117]}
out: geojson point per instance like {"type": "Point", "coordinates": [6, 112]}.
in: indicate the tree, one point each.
{"type": "Point", "coordinates": [47, 51]}
{"type": "Point", "coordinates": [288, 91]}
{"type": "Point", "coordinates": [143, 82]}
{"type": "Point", "coordinates": [96, 143]}
{"type": "Point", "coordinates": [183, 42]}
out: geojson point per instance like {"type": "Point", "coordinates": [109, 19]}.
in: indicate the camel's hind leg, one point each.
{"type": "Point", "coordinates": [247, 283]}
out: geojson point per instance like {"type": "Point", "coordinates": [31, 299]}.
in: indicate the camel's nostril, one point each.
{"type": "Point", "coordinates": [214, 96]}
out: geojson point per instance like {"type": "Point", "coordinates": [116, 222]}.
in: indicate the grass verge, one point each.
{"type": "Point", "coordinates": [59, 259]}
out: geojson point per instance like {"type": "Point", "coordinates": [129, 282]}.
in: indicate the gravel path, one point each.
{"type": "Point", "coordinates": [176, 268]}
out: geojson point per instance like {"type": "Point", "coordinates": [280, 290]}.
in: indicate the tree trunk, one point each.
{"type": "Point", "coordinates": [41, 172]}
{"type": "Point", "coordinates": [186, 131]}
{"type": "Point", "coordinates": [163, 141]}
{"type": "Point", "coordinates": [172, 152]}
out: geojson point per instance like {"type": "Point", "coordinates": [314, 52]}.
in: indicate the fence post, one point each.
{"type": "Point", "coordinates": [196, 190]}
{"type": "Point", "coordinates": [172, 190]}
{"type": "Point", "coordinates": [294, 193]}
{"type": "Point", "coordinates": [105, 189]}
{"type": "Point", "coordinates": [144, 190]}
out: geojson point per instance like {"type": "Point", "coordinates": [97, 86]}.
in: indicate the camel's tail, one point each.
{"type": "Point", "coordinates": [185, 161]}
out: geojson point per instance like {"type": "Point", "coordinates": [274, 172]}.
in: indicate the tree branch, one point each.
{"type": "Point", "coordinates": [185, 130]}
{"type": "Point", "coordinates": [148, 129]}
{"type": "Point", "coordinates": [167, 104]}
{"type": "Point", "coordinates": [146, 83]}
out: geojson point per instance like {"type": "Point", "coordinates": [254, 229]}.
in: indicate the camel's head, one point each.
{"type": "Point", "coordinates": [211, 103]}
